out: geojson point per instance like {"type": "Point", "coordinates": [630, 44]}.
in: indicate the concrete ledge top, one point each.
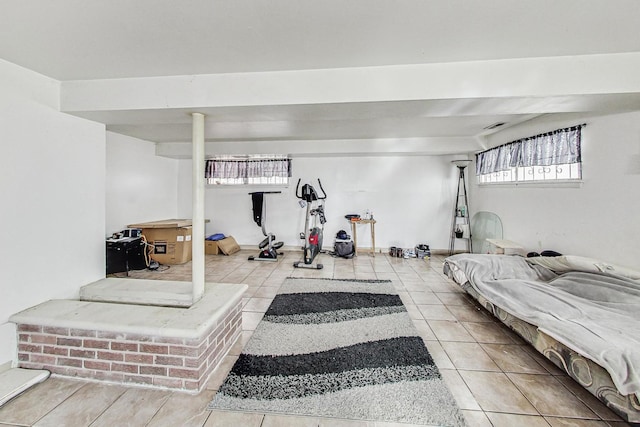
{"type": "Point", "coordinates": [191, 322]}
{"type": "Point", "coordinates": [139, 291]}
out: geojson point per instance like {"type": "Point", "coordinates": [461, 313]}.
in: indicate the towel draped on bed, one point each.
{"type": "Point", "coordinates": [595, 314]}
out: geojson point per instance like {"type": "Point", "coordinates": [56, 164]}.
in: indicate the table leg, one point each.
{"type": "Point", "coordinates": [355, 239]}
{"type": "Point", "coordinates": [373, 239]}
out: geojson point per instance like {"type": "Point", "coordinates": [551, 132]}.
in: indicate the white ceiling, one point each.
{"type": "Point", "coordinates": [94, 39]}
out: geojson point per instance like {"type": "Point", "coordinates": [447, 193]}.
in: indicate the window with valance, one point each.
{"type": "Point", "coordinates": [549, 156]}
{"type": "Point", "coordinates": [252, 170]}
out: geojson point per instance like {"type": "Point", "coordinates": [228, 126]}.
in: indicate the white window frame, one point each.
{"type": "Point", "coordinates": [567, 173]}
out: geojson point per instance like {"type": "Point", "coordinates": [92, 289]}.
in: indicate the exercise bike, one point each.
{"type": "Point", "coordinates": [312, 235]}
{"type": "Point", "coordinates": [268, 247]}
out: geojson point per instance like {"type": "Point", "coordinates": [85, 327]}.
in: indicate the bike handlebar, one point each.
{"type": "Point", "coordinates": [297, 187]}
{"type": "Point", "coordinates": [300, 196]}
{"type": "Point", "coordinates": [322, 189]}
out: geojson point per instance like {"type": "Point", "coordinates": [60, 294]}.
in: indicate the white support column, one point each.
{"type": "Point", "coordinates": [197, 185]}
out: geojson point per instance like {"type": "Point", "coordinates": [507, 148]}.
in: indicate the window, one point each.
{"type": "Point", "coordinates": [248, 170]}
{"type": "Point", "coordinates": [553, 156]}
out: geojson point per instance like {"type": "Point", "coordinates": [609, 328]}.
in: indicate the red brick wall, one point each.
{"type": "Point", "coordinates": [165, 362]}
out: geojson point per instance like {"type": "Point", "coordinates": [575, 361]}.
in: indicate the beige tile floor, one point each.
{"type": "Point", "coordinates": [495, 377]}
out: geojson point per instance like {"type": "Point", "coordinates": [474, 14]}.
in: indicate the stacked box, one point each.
{"type": "Point", "coordinates": [228, 245]}
{"type": "Point", "coordinates": [211, 247]}
{"type": "Point", "coordinates": [170, 240]}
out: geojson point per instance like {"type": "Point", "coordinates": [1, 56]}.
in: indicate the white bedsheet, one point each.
{"type": "Point", "coordinates": [596, 315]}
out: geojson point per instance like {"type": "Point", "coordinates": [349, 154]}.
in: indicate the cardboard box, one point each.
{"type": "Point", "coordinates": [171, 240]}
{"type": "Point", "coordinates": [228, 245]}
{"type": "Point", "coordinates": [211, 247]}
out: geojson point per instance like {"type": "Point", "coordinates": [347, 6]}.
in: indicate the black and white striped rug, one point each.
{"type": "Point", "coordinates": [339, 348]}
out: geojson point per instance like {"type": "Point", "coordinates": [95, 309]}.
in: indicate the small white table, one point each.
{"type": "Point", "coordinates": [372, 223]}
{"type": "Point", "coordinates": [504, 247]}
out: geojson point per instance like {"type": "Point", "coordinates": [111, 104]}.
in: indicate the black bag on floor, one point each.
{"type": "Point", "coordinates": [344, 249]}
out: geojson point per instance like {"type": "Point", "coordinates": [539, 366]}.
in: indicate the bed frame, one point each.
{"type": "Point", "coordinates": [588, 374]}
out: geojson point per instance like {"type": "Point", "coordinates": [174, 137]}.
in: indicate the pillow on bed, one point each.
{"type": "Point", "coordinates": [565, 263]}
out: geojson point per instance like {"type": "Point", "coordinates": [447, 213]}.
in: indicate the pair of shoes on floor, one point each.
{"type": "Point", "coordinates": [543, 253]}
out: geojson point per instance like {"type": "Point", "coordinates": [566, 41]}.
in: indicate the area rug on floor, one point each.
{"type": "Point", "coordinates": [339, 348]}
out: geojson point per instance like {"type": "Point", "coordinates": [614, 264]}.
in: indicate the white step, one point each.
{"type": "Point", "coordinates": [16, 380]}
{"type": "Point", "coordinates": [139, 291]}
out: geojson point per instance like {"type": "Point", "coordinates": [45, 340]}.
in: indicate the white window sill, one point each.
{"type": "Point", "coordinates": [535, 184]}
{"type": "Point", "coordinates": [256, 187]}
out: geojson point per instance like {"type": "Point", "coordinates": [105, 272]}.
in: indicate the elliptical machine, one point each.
{"type": "Point", "coordinates": [312, 235]}
{"type": "Point", "coordinates": [268, 247]}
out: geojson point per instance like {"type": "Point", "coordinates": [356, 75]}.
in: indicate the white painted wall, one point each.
{"type": "Point", "coordinates": [600, 219]}
{"type": "Point", "coordinates": [411, 196]}
{"type": "Point", "coordinates": [52, 190]}
{"type": "Point", "coordinates": [140, 186]}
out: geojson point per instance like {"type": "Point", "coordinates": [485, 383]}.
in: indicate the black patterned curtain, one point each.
{"type": "Point", "coordinates": [559, 147]}
{"type": "Point", "coordinates": [237, 169]}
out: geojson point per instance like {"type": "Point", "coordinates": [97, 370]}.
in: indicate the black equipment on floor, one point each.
{"type": "Point", "coordinates": [268, 247]}
{"type": "Point", "coordinates": [343, 246]}
{"type": "Point", "coordinates": [312, 235]}
{"type": "Point", "coordinates": [125, 254]}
